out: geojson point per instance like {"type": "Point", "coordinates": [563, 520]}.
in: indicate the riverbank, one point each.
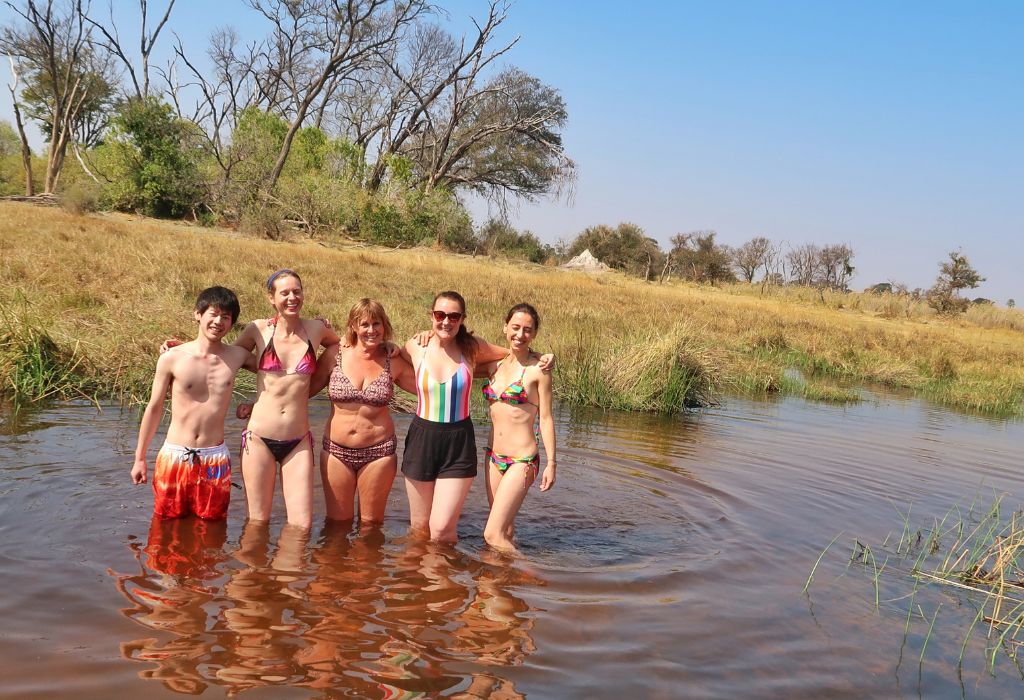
{"type": "Point", "coordinates": [86, 299]}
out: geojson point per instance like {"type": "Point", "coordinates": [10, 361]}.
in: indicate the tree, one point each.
{"type": "Point", "coordinates": [26, 152]}
{"type": "Point", "coordinates": [751, 256]}
{"type": "Point", "coordinates": [68, 84]}
{"type": "Point", "coordinates": [624, 247]}
{"type": "Point", "coordinates": [153, 160]}
{"type": "Point", "coordinates": [954, 275]}
{"type": "Point", "coordinates": [1010, 303]}
{"type": "Point", "coordinates": [824, 267]}
{"type": "Point", "coordinates": [835, 266]}
{"type": "Point", "coordinates": [111, 41]}
{"type": "Point", "coordinates": [803, 264]}
{"type": "Point", "coordinates": [700, 259]}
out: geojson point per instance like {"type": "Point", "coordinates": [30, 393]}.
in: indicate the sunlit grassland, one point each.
{"type": "Point", "coordinates": [106, 290]}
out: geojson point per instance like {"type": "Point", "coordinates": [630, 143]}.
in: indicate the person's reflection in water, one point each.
{"type": "Point", "coordinates": [446, 609]}
{"type": "Point", "coordinates": [178, 566]}
{"type": "Point", "coordinates": [346, 598]}
{"type": "Point", "coordinates": [268, 602]}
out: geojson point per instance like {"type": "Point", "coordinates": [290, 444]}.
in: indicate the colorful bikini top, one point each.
{"type": "Point", "coordinates": [443, 402]}
{"type": "Point", "coordinates": [377, 393]}
{"type": "Point", "coordinates": [271, 362]}
{"type": "Point", "coordinates": [514, 393]}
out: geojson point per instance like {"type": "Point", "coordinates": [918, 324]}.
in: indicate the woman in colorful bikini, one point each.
{"type": "Point", "coordinates": [512, 458]}
{"type": "Point", "coordinates": [439, 460]}
{"type": "Point", "coordinates": [278, 430]}
{"type": "Point", "coordinates": [358, 455]}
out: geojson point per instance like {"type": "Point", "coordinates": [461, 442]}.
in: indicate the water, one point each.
{"type": "Point", "coordinates": [668, 561]}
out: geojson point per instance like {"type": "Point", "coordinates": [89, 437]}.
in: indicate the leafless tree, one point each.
{"type": "Point", "coordinates": [426, 75]}
{"type": "Point", "coordinates": [802, 262]}
{"type": "Point", "coordinates": [750, 256]}
{"type": "Point", "coordinates": [66, 78]}
{"type": "Point", "coordinates": [111, 41]}
{"type": "Point", "coordinates": [26, 152]}
{"type": "Point", "coordinates": [317, 44]}
{"type": "Point", "coordinates": [835, 266]}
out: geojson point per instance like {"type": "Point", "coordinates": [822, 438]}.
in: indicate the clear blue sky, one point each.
{"type": "Point", "coordinates": [895, 127]}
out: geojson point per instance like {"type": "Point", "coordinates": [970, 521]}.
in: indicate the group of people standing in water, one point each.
{"type": "Point", "coordinates": [358, 456]}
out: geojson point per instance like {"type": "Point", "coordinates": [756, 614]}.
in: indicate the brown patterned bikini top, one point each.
{"type": "Point", "coordinates": [378, 393]}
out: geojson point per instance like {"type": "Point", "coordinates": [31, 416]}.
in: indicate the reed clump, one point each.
{"type": "Point", "coordinates": [34, 367]}
{"type": "Point", "coordinates": [974, 553]}
{"type": "Point", "coordinates": [112, 287]}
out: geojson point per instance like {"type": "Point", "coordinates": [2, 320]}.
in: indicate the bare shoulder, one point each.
{"type": "Point", "coordinates": [168, 361]}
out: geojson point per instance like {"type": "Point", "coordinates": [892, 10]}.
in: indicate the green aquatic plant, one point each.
{"type": "Point", "coordinates": [975, 553]}
{"type": "Point", "coordinates": [34, 367]}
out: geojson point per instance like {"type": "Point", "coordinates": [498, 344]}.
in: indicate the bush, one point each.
{"type": "Point", "coordinates": [501, 238]}
{"type": "Point", "coordinates": [151, 161]}
{"type": "Point", "coordinates": [81, 197]}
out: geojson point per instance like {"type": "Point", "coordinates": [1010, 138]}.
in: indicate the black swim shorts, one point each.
{"type": "Point", "coordinates": [439, 450]}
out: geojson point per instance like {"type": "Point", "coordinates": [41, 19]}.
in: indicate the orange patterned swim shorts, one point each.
{"type": "Point", "coordinates": [192, 480]}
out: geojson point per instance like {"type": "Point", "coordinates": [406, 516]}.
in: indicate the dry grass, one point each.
{"type": "Point", "coordinates": [113, 287]}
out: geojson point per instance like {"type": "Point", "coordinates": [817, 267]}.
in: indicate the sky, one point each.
{"type": "Point", "coordinates": [893, 127]}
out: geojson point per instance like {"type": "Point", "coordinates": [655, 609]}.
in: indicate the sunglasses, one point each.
{"type": "Point", "coordinates": [454, 316]}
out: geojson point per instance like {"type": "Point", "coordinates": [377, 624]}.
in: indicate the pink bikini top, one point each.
{"type": "Point", "coordinates": [271, 362]}
{"type": "Point", "coordinates": [378, 393]}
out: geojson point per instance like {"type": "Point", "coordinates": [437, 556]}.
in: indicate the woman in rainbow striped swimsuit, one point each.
{"type": "Point", "coordinates": [439, 460]}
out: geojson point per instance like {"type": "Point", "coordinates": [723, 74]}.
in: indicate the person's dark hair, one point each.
{"type": "Point", "coordinates": [525, 309]}
{"type": "Point", "coordinates": [220, 297]}
{"type": "Point", "coordinates": [464, 338]}
{"type": "Point", "coordinates": [284, 272]}
{"type": "Point", "coordinates": [371, 309]}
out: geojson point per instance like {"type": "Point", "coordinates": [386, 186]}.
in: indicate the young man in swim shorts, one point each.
{"type": "Point", "coordinates": [193, 469]}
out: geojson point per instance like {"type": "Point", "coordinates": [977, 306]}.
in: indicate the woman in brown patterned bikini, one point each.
{"type": "Point", "coordinates": [358, 456]}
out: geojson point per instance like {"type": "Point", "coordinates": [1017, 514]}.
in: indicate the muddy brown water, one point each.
{"type": "Point", "coordinates": [667, 562]}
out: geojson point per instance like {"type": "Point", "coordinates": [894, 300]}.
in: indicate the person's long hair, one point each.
{"type": "Point", "coordinates": [368, 309]}
{"type": "Point", "coordinates": [464, 338]}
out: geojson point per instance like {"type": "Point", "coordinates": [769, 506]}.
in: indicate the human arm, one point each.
{"type": "Point", "coordinates": [248, 337]}
{"type": "Point", "coordinates": [403, 375]}
{"type": "Point", "coordinates": [324, 366]}
{"type": "Point", "coordinates": [547, 429]}
{"type": "Point", "coordinates": [328, 336]}
{"type": "Point", "coordinates": [151, 415]}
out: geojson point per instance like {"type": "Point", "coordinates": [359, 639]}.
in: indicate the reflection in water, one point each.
{"type": "Point", "coordinates": [178, 564]}
{"type": "Point", "coordinates": [353, 615]}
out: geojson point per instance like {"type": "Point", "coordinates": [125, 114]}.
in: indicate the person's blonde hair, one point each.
{"type": "Point", "coordinates": [371, 309]}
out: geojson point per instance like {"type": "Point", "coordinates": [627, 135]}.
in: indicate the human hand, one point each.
{"type": "Point", "coordinates": [392, 350]}
{"type": "Point", "coordinates": [547, 480]}
{"type": "Point", "coordinates": [169, 343]}
{"type": "Point", "coordinates": [423, 338]}
{"type": "Point", "coordinates": [139, 472]}
{"type": "Point", "coordinates": [325, 321]}
{"type": "Point", "coordinates": [243, 411]}
{"type": "Point", "coordinates": [546, 363]}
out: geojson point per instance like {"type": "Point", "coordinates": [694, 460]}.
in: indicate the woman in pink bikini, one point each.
{"type": "Point", "coordinates": [278, 430]}
{"type": "Point", "coordinates": [358, 455]}
{"type": "Point", "coordinates": [512, 457]}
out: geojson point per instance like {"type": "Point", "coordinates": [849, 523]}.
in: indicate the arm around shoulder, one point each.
{"type": "Point", "coordinates": [324, 366]}
{"type": "Point", "coordinates": [248, 337]}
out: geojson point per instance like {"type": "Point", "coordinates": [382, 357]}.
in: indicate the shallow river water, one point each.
{"type": "Point", "coordinates": [667, 562]}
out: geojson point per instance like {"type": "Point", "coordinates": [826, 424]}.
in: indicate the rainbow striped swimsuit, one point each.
{"type": "Point", "coordinates": [443, 402]}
